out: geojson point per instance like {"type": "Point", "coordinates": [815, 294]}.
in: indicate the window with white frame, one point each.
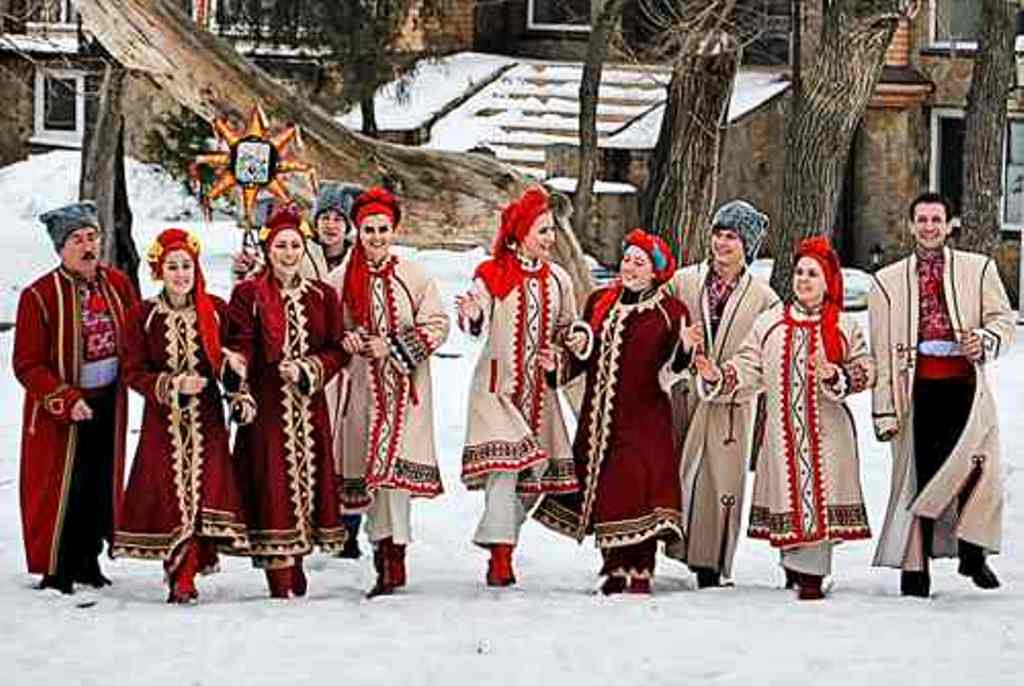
{"type": "Point", "coordinates": [947, 164]}
{"type": "Point", "coordinates": [558, 15]}
{"type": "Point", "coordinates": [60, 107]}
{"type": "Point", "coordinates": [51, 12]}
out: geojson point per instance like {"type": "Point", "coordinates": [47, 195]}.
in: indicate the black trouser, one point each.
{"type": "Point", "coordinates": [941, 410]}
{"type": "Point", "coordinates": [88, 517]}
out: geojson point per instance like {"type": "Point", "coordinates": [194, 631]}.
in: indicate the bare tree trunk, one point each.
{"type": "Point", "coordinates": [103, 179]}
{"type": "Point", "coordinates": [590, 83]}
{"type": "Point", "coordinates": [991, 82]}
{"type": "Point", "coordinates": [833, 95]}
{"type": "Point", "coordinates": [678, 200]}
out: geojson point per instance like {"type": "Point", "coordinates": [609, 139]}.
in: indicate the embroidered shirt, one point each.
{"type": "Point", "coordinates": [99, 337]}
{"type": "Point", "coordinates": [933, 316]}
{"type": "Point", "coordinates": [719, 290]}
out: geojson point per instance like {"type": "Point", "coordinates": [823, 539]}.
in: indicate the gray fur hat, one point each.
{"type": "Point", "coordinates": [63, 221]}
{"type": "Point", "coordinates": [337, 196]}
{"type": "Point", "coordinates": [750, 223]}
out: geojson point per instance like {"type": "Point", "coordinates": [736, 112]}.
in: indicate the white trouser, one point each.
{"type": "Point", "coordinates": [809, 559]}
{"type": "Point", "coordinates": [389, 517]}
{"type": "Point", "coordinates": [504, 511]}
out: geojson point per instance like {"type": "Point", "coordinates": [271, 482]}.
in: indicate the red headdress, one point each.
{"type": "Point", "coordinates": [820, 250]}
{"type": "Point", "coordinates": [376, 200]}
{"type": "Point", "coordinates": [268, 294]}
{"type": "Point", "coordinates": [662, 260]}
{"type": "Point", "coordinates": [167, 242]}
{"type": "Point", "coordinates": [502, 273]}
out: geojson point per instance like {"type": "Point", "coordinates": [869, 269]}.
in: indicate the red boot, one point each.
{"type": "Point", "coordinates": [182, 581]}
{"type": "Point", "coordinates": [280, 582]}
{"type": "Point", "coordinates": [383, 563]}
{"type": "Point", "coordinates": [499, 568]}
{"type": "Point", "coordinates": [640, 585]}
{"type": "Point", "coordinates": [396, 565]}
{"type": "Point", "coordinates": [299, 584]}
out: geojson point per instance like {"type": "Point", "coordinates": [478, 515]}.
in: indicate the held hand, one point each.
{"type": "Point", "coordinates": [576, 342]}
{"type": "Point", "coordinates": [236, 361]}
{"type": "Point", "coordinates": [376, 347]}
{"type": "Point", "coordinates": [707, 369]}
{"type": "Point", "coordinates": [190, 384]}
{"type": "Point", "coordinates": [546, 359]}
{"type": "Point", "coordinates": [469, 309]}
{"type": "Point", "coordinates": [289, 371]}
{"type": "Point", "coordinates": [827, 372]}
{"type": "Point", "coordinates": [81, 412]}
{"type": "Point", "coordinates": [692, 337]}
{"type": "Point", "coordinates": [352, 343]}
{"type": "Point", "coordinates": [971, 346]}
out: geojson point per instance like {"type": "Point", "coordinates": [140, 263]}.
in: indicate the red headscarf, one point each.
{"type": "Point", "coordinates": [268, 294]}
{"type": "Point", "coordinates": [167, 242]}
{"type": "Point", "coordinates": [662, 261]}
{"type": "Point", "coordinates": [376, 200]}
{"type": "Point", "coordinates": [820, 250]}
{"type": "Point", "coordinates": [503, 272]}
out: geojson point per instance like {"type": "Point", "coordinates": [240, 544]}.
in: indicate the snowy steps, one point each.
{"type": "Point", "coordinates": [539, 105]}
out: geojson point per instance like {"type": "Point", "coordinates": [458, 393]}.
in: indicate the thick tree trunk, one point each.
{"type": "Point", "coordinates": [444, 194]}
{"type": "Point", "coordinates": [680, 194]}
{"type": "Point", "coordinates": [991, 82]}
{"type": "Point", "coordinates": [103, 179]}
{"type": "Point", "coordinates": [590, 83]}
{"type": "Point", "coordinates": [833, 95]}
{"type": "Point", "coordinates": [369, 112]}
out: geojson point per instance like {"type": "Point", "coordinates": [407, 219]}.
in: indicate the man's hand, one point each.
{"type": "Point", "coordinates": [692, 337]}
{"type": "Point", "coordinates": [352, 343]}
{"type": "Point", "coordinates": [972, 347]}
{"type": "Point", "coordinates": [828, 372]}
{"type": "Point", "coordinates": [576, 342]}
{"type": "Point", "coordinates": [546, 359]}
{"type": "Point", "coordinates": [81, 411]}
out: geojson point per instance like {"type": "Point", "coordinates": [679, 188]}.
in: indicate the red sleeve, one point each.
{"type": "Point", "coordinates": [33, 343]}
{"type": "Point", "coordinates": [143, 374]}
{"type": "Point", "coordinates": [325, 363]}
{"type": "Point", "coordinates": [241, 322]}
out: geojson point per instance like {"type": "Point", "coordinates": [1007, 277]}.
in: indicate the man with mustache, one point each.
{"type": "Point", "coordinates": [69, 325]}
{"type": "Point", "coordinates": [939, 318]}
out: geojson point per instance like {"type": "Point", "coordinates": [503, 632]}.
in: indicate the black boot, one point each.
{"type": "Point", "coordinates": [792, 579]}
{"type": "Point", "coordinates": [59, 582]}
{"type": "Point", "coordinates": [973, 565]}
{"type": "Point", "coordinates": [916, 584]}
{"type": "Point", "coordinates": [708, 578]}
{"type": "Point", "coordinates": [89, 573]}
{"type": "Point", "coordinates": [351, 550]}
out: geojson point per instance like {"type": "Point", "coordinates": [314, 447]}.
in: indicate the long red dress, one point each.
{"type": "Point", "coordinates": [284, 458]}
{"type": "Point", "coordinates": [182, 484]}
{"type": "Point", "coordinates": [625, 461]}
{"type": "Point", "coordinates": [47, 361]}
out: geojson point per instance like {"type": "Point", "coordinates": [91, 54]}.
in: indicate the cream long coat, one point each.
{"type": "Point", "coordinates": [386, 422]}
{"type": "Point", "coordinates": [807, 485]}
{"type": "Point", "coordinates": [515, 422]}
{"type": "Point", "coordinates": [718, 432]}
{"type": "Point", "coordinates": [977, 302]}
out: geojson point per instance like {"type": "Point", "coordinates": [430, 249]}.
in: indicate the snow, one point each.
{"type": "Point", "coordinates": [568, 185]}
{"type": "Point", "coordinates": [57, 43]}
{"type": "Point", "coordinates": [447, 627]}
{"type": "Point", "coordinates": [436, 83]}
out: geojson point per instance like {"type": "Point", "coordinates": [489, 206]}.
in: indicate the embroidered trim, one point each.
{"type": "Point", "coordinates": [660, 523]}
{"type": "Point", "coordinates": [499, 456]}
{"type": "Point", "coordinates": [845, 522]}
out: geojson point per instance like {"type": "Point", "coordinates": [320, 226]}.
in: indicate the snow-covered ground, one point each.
{"type": "Point", "coordinates": [447, 627]}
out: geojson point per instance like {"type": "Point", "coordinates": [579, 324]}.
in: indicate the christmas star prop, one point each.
{"type": "Point", "coordinates": [253, 160]}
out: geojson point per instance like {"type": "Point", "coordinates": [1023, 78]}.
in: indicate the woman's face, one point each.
{"type": "Point", "coordinates": [179, 273]}
{"type": "Point", "coordinates": [285, 253]}
{"type": "Point", "coordinates": [539, 240]}
{"type": "Point", "coordinates": [809, 285]}
{"type": "Point", "coordinates": [636, 269]}
{"type": "Point", "coordinates": [376, 233]}
{"type": "Point", "coordinates": [330, 228]}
